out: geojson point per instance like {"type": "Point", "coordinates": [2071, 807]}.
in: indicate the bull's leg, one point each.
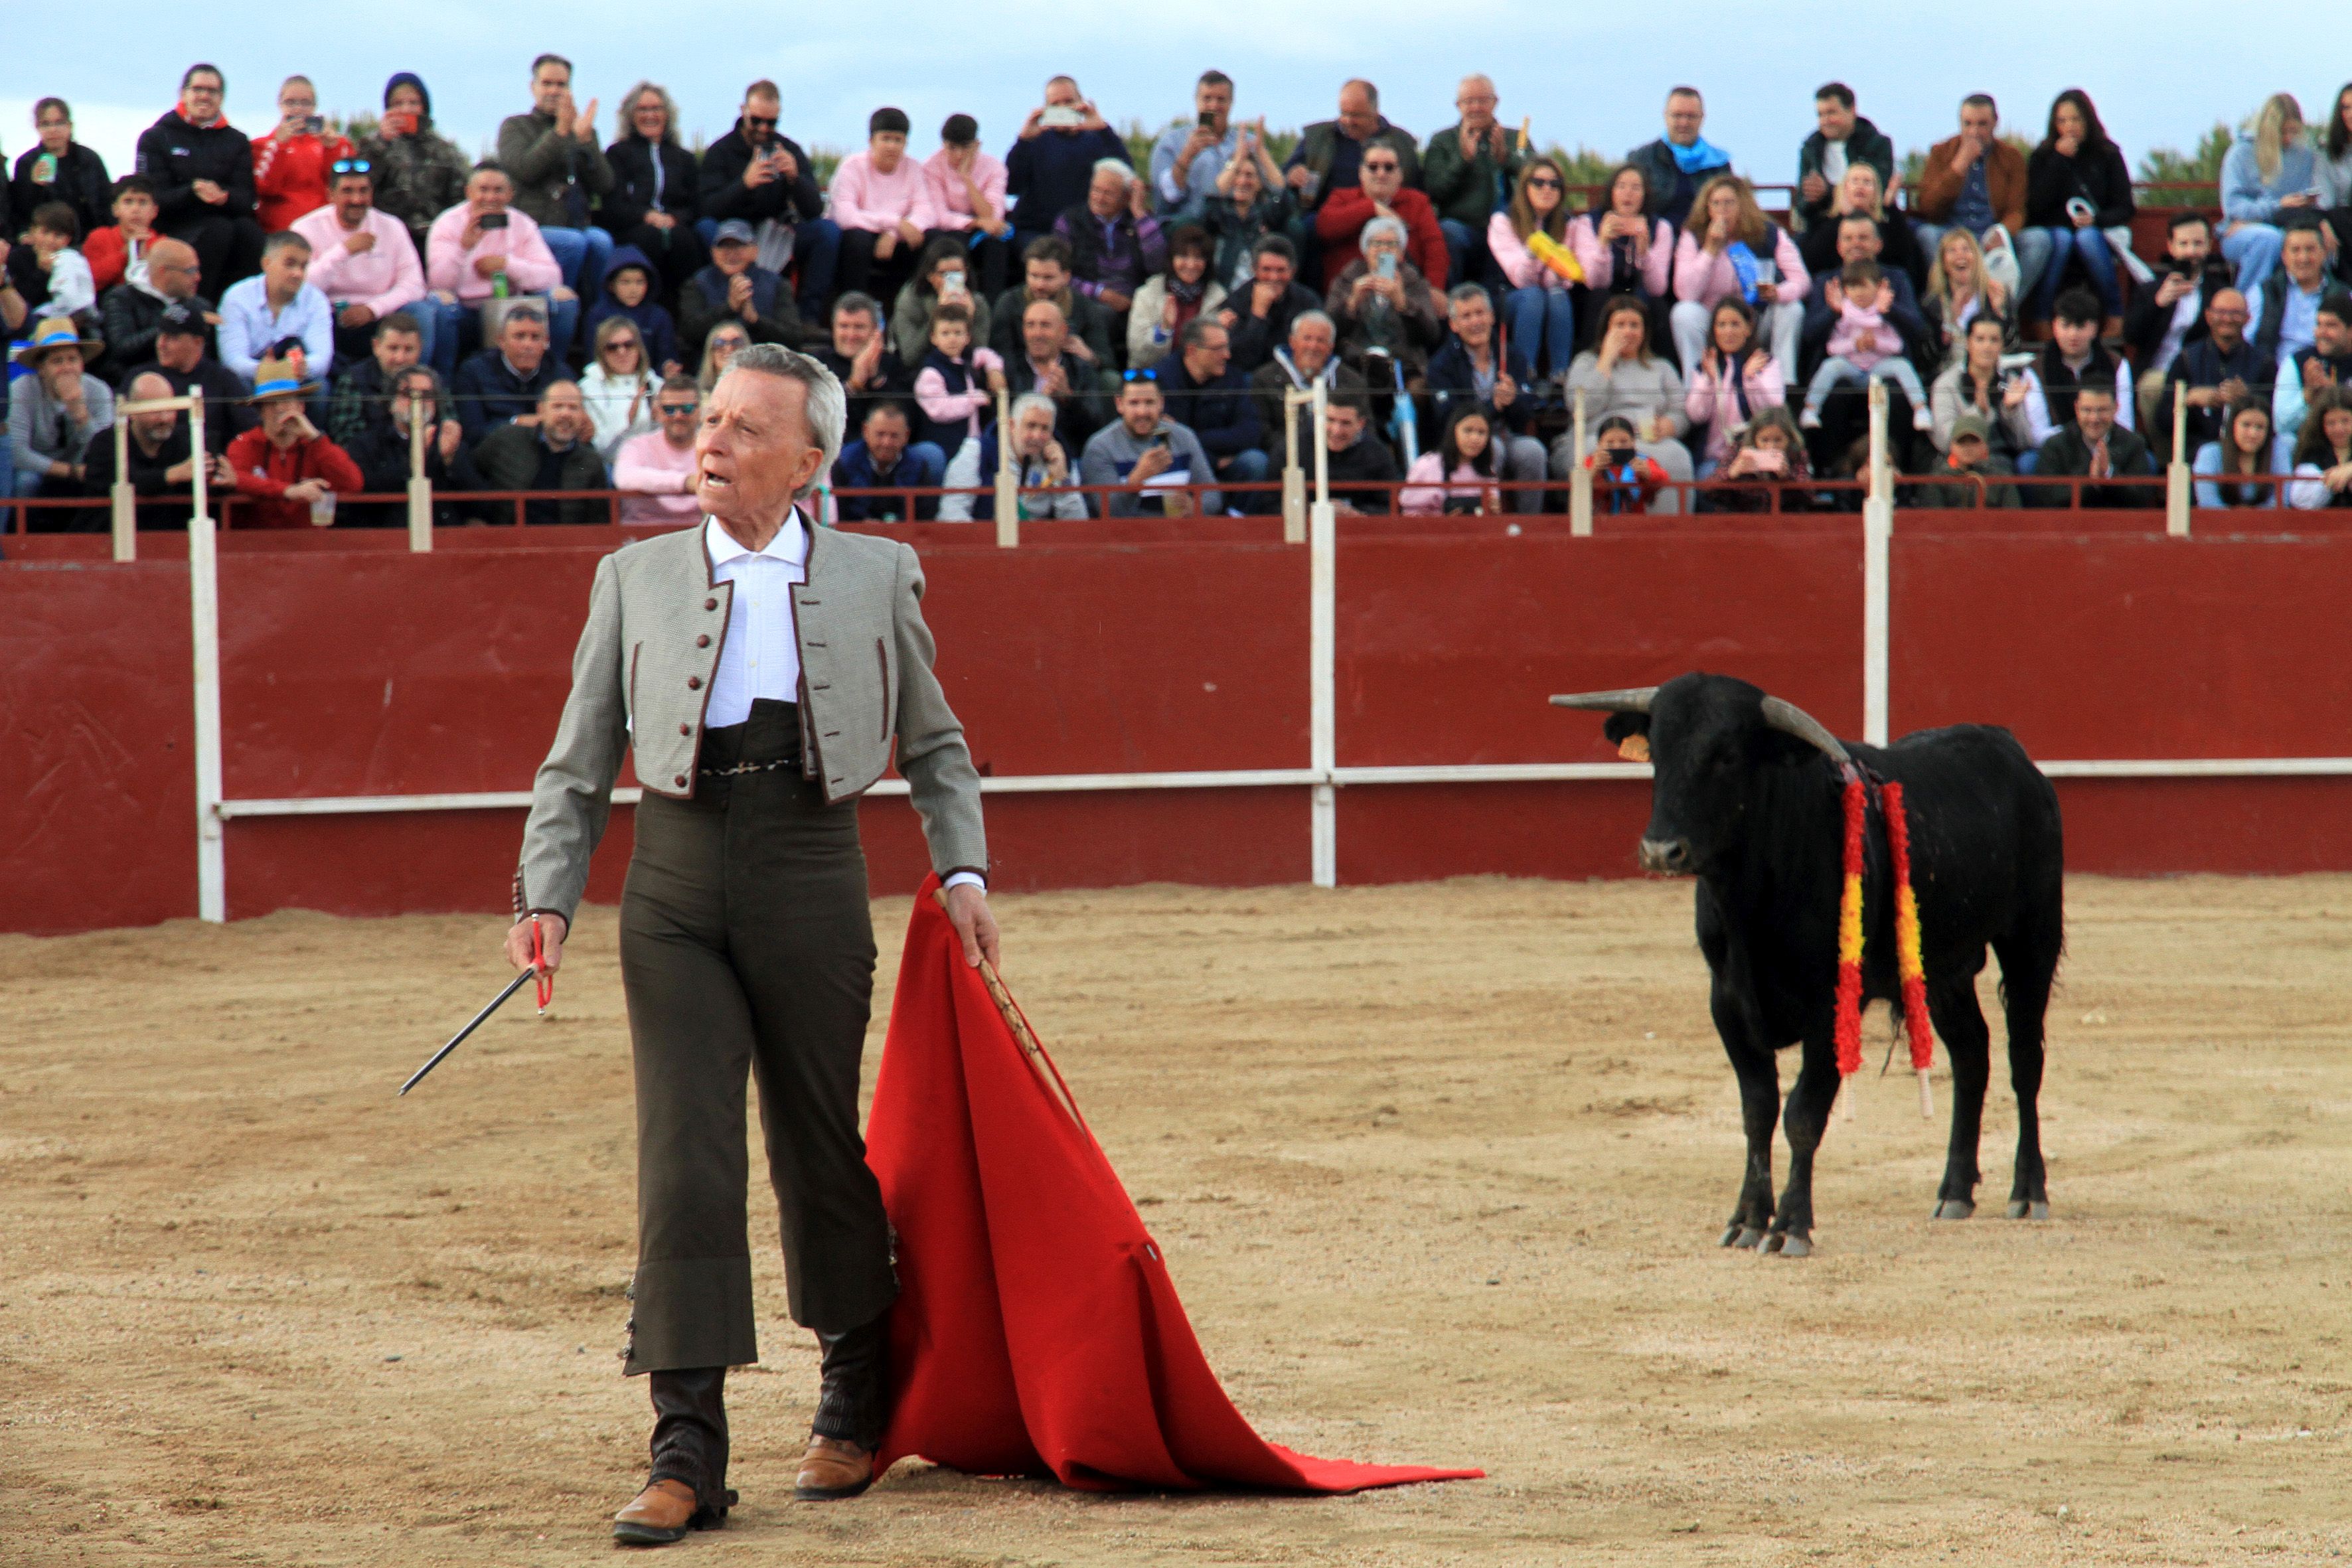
{"type": "Point", "coordinates": [1807, 1114]}
{"type": "Point", "coordinates": [2025, 979]}
{"type": "Point", "coordinates": [1968, 1044]}
{"type": "Point", "coordinates": [1759, 1104]}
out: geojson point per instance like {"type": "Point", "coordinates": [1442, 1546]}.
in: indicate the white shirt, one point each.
{"type": "Point", "coordinates": [1833, 163]}
{"type": "Point", "coordinates": [2185, 311]}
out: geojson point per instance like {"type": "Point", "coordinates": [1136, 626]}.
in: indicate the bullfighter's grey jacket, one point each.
{"type": "Point", "coordinates": [642, 676]}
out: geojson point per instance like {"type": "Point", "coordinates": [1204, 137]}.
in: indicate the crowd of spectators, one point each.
{"type": "Point", "coordinates": [549, 318]}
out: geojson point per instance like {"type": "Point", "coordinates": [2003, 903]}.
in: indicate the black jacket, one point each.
{"type": "Point", "coordinates": [2068, 453]}
{"type": "Point", "coordinates": [489, 393]}
{"type": "Point", "coordinates": [1222, 412]}
{"type": "Point", "coordinates": [2097, 175]}
{"type": "Point", "coordinates": [228, 414]}
{"type": "Point", "coordinates": [894, 383]}
{"type": "Point", "coordinates": [174, 499]}
{"type": "Point", "coordinates": [1088, 322]}
{"type": "Point", "coordinates": [1899, 251]}
{"type": "Point", "coordinates": [723, 193]}
{"type": "Point", "coordinates": [1452, 382]}
{"type": "Point", "coordinates": [1368, 459]}
{"type": "Point", "coordinates": [632, 195]}
{"type": "Point", "coordinates": [175, 155]}
{"type": "Point", "coordinates": [1076, 418]}
{"type": "Point", "coordinates": [1864, 144]}
{"type": "Point", "coordinates": [2201, 362]}
{"type": "Point", "coordinates": [702, 305]}
{"type": "Point", "coordinates": [381, 450]}
{"type": "Point", "coordinates": [131, 317]}
{"type": "Point", "coordinates": [2145, 323]}
{"type": "Point", "coordinates": [516, 458]}
{"type": "Point", "coordinates": [1255, 338]}
{"type": "Point", "coordinates": [81, 184]}
{"type": "Point", "coordinates": [2270, 311]}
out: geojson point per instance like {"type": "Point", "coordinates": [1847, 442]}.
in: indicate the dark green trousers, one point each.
{"type": "Point", "coordinates": [747, 949]}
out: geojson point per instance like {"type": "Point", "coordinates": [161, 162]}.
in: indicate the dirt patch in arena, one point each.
{"type": "Point", "coordinates": [1439, 1170]}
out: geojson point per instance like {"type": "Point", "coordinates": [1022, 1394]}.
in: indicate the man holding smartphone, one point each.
{"type": "Point", "coordinates": [1052, 161]}
{"type": "Point", "coordinates": [758, 174]}
{"type": "Point", "coordinates": [1187, 159]}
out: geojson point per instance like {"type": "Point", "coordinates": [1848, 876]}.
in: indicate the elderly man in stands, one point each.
{"type": "Point", "coordinates": [133, 310]}
{"type": "Point", "coordinates": [1310, 356]}
{"type": "Point", "coordinates": [1463, 168]}
{"type": "Point", "coordinates": [470, 248]}
{"type": "Point", "coordinates": [1041, 467]}
{"type": "Point", "coordinates": [1678, 163]}
{"type": "Point", "coordinates": [1115, 242]}
{"type": "Point", "coordinates": [558, 170]}
{"type": "Point", "coordinates": [1144, 447]}
{"type": "Point", "coordinates": [1977, 181]}
{"type": "Point", "coordinates": [288, 474]}
{"type": "Point", "coordinates": [364, 262]}
{"type": "Point", "coordinates": [553, 451]}
{"type": "Point", "coordinates": [1469, 370]}
{"type": "Point", "coordinates": [504, 383]}
{"type": "Point", "coordinates": [1188, 157]}
{"type": "Point", "coordinates": [1329, 151]}
{"type": "Point", "coordinates": [658, 467]}
{"type": "Point", "coordinates": [161, 469]}
{"type": "Point", "coordinates": [1381, 193]}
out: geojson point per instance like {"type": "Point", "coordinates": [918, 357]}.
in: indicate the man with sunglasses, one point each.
{"type": "Point", "coordinates": [364, 261]}
{"type": "Point", "coordinates": [1144, 447]}
{"type": "Point", "coordinates": [755, 174]}
{"type": "Point", "coordinates": [657, 466]}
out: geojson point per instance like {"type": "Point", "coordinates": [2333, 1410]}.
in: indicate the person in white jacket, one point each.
{"type": "Point", "coordinates": [618, 389]}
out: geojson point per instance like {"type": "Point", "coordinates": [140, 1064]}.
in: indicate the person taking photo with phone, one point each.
{"type": "Point", "coordinates": [290, 163]}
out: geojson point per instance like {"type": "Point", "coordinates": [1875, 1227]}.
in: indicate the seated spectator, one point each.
{"type": "Point", "coordinates": [860, 356]}
{"type": "Point", "coordinates": [1331, 152]}
{"type": "Point", "coordinates": [1468, 371]}
{"type": "Point", "coordinates": [1384, 310]}
{"type": "Point", "coordinates": [2331, 174]}
{"type": "Point", "coordinates": [50, 275]}
{"type": "Point", "coordinates": [1537, 307]}
{"type": "Point", "coordinates": [2269, 175]}
{"type": "Point", "coordinates": [288, 474]}
{"type": "Point", "coordinates": [1200, 379]}
{"type": "Point", "coordinates": [56, 168]}
{"type": "Point", "coordinates": [2323, 456]}
{"type": "Point", "coordinates": [53, 412]}
{"type": "Point", "coordinates": [1145, 448]}
{"type": "Point", "coordinates": [768, 181]}
{"type": "Point", "coordinates": [363, 260]}
{"type": "Point", "coordinates": [1191, 155]}
{"type": "Point", "coordinates": [1975, 181]}
{"type": "Point", "coordinates": [942, 276]}
{"type": "Point", "coordinates": [618, 390]}
{"type": "Point", "coordinates": [1863, 345]}
{"type": "Point", "coordinates": [2095, 447]}
{"type": "Point", "coordinates": [1041, 467]}
{"type": "Point", "coordinates": [2326, 363]}
{"type": "Point", "coordinates": [2288, 309]}
{"type": "Point", "coordinates": [956, 384]}
{"type": "Point", "coordinates": [180, 343]}
{"type": "Point", "coordinates": [559, 171]}
{"type": "Point", "coordinates": [1731, 247]}
{"type": "Point", "coordinates": [1769, 451]}
{"type": "Point", "coordinates": [280, 303]}
{"type": "Point", "coordinates": [968, 195]}
{"type": "Point", "coordinates": [1358, 465]}
{"type": "Point", "coordinates": [1626, 479]}
{"type": "Point", "coordinates": [1346, 215]}
{"type": "Point", "coordinates": [552, 452]}
{"type": "Point", "coordinates": [1461, 168]}
{"type": "Point", "coordinates": [201, 167]}
{"type": "Point", "coordinates": [1735, 382]}
{"type": "Point", "coordinates": [2244, 449]}
{"type": "Point", "coordinates": [1682, 160]}
{"type": "Point", "coordinates": [629, 295]}
{"type": "Point", "coordinates": [1052, 165]}
{"type": "Point", "coordinates": [362, 392]}
{"type": "Point", "coordinates": [1046, 275]}
{"type": "Point", "coordinates": [1979, 386]}
{"type": "Point", "coordinates": [882, 203]}
{"type": "Point", "coordinates": [882, 456]}
{"type": "Point", "coordinates": [1961, 472]}
{"type": "Point", "coordinates": [385, 458]}
{"type": "Point", "coordinates": [736, 288]}
{"type": "Point", "coordinates": [1170, 301]}
{"type": "Point", "coordinates": [290, 163]}
{"type": "Point", "coordinates": [1841, 139]}
{"type": "Point", "coordinates": [505, 383]}
{"type": "Point", "coordinates": [657, 469]}
{"type": "Point", "coordinates": [1627, 249]}
{"type": "Point", "coordinates": [1458, 476]}
{"type": "Point", "coordinates": [1115, 242]}
{"type": "Point", "coordinates": [1860, 194]}
{"type": "Point", "coordinates": [1250, 205]}
{"type": "Point", "coordinates": [159, 465]}
{"type": "Point", "coordinates": [2167, 318]}
{"type": "Point", "coordinates": [1048, 365]}
{"type": "Point", "coordinates": [481, 251]}
{"type": "Point", "coordinates": [1309, 355]}
{"type": "Point", "coordinates": [1960, 289]}
{"type": "Point", "coordinates": [119, 250]}
{"type": "Point", "coordinates": [2076, 188]}
{"type": "Point", "coordinates": [2072, 358]}
{"type": "Point", "coordinates": [1258, 314]}
{"type": "Point", "coordinates": [652, 207]}
{"type": "Point", "coordinates": [1619, 378]}
{"type": "Point", "coordinates": [720, 347]}
{"type": "Point", "coordinates": [419, 172]}
{"type": "Point", "coordinates": [133, 310]}
{"type": "Point", "coordinates": [1860, 239]}
{"type": "Point", "coordinates": [2219, 368]}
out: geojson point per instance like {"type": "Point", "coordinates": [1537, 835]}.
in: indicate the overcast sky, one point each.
{"type": "Point", "coordinates": [2161, 72]}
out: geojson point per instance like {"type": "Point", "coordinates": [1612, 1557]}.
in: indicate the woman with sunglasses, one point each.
{"type": "Point", "coordinates": [289, 165]}
{"type": "Point", "coordinates": [618, 388]}
{"type": "Point", "coordinates": [1538, 313]}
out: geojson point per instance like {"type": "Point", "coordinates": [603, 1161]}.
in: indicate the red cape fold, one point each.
{"type": "Point", "coordinates": [1037, 1332]}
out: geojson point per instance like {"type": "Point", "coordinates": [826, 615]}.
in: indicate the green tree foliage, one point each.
{"type": "Point", "coordinates": [2168, 166]}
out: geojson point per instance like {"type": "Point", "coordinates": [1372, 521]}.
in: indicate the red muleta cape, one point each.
{"type": "Point", "coordinates": [1036, 1330]}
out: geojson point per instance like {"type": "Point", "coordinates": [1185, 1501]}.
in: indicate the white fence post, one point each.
{"type": "Point", "coordinates": [1294, 478]}
{"type": "Point", "coordinates": [1322, 614]}
{"type": "Point", "coordinates": [203, 620]}
{"type": "Point", "coordinates": [1008, 484]}
{"type": "Point", "coordinates": [1877, 535]}
{"type": "Point", "coordinates": [2176, 477]}
{"type": "Point", "coordinates": [420, 488]}
{"type": "Point", "coordinates": [1579, 481]}
{"type": "Point", "coordinates": [125, 498]}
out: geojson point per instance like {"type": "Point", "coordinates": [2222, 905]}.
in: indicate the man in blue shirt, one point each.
{"type": "Point", "coordinates": [1187, 158]}
{"type": "Point", "coordinates": [275, 305]}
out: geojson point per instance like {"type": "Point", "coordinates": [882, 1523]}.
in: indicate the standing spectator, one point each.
{"type": "Point", "coordinates": [1258, 314]}
{"type": "Point", "coordinates": [1329, 151]}
{"type": "Point", "coordinates": [2242, 449]}
{"type": "Point", "coordinates": [1458, 474]}
{"type": "Point", "coordinates": [1356, 458]}
{"type": "Point", "coordinates": [1048, 364]}
{"type": "Point", "coordinates": [290, 164]}
{"type": "Point", "coordinates": [1046, 275]}
{"type": "Point", "coordinates": [1976, 181]}
{"type": "Point", "coordinates": [765, 179]}
{"type": "Point", "coordinates": [2076, 188]}
{"type": "Point", "coordinates": [502, 384]}
{"type": "Point", "coordinates": [1469, 170]}
{"type": "Point", "coordinates": [943, 276]}
{"type": "Point", "coordinates": [1626, 249]}
{"type": "Point", "coordinates": [1731, 247]}
{"type": "Point", "coordinates": [2094, 445]}
{"type": "Point", "coordinates": [551, 155]}
{"type": "Point", "coordinates": [51, 276]}
{"type": "Point", "coordinates": [1619, 378]}
{"type": "Point", "coordinates": [881, 458]}
{"type": "Point", "coordinates": [860, 356]}
{"type": "Point", "coordinates": [2169, 317]}
{"type": "Point", "coordinates": [483, 250]}
{"type": "Point", "coordinates": [1170, 301]}
{"type": "Point", "coordinates": [1841, 139]}
{"type": "Point", "coordinates": [1250, 204]}
{"type": "Point", "coordinates": [160, 465]}
{"type": "Point", "coordinates": [736, 288]}
{"type": "Point", "coordinates": [630, 293]}
{"type": "Point", "coordinates": [281, 303]}
{"type": "Point", "coordinates": [119, 250]}
{"type": "Point", "coordinates": [288, 474]}
{"type": "Point", "coordinates": [1145, 448]}
{"type": "Point", "coordinates": [2325, 366]}
{"type": "Point", "coordinates": [2267, 178]}
{"type": "Point", "coordinates": [1379, 193]}
{"type": "Point", "coordinates": [2289, 301]}
{"type": "Point", "coordinates": [1189, 154]}
{"type": "Point", "coordinates": [2323, 457]}
{"type": "Point", "coordinates": [180, 341]}
{"type": "Point", "coordinates": [954, 385]}
{"type": "Point", "coordinates": [552, 452]}
{"type": "Point", "coordinates": [1052, 165]}
{"type": "Point", "coordinates": [2332, 174]}
{"type": "Point", "coordinates": [968, 195]}
{"type": "Point", "coordinates": [1960, 288]}
{"type": "Point", "coordinates": [657, 469]}
{"type": "Point", "coordinates": [655, 200]}
{"type": "Point", "coordinates": [1385, 310]}
{"type": "Point", "coordinates": [1978, 385]}
{"type": "Point", "coordinates": [384, 457]}
{"type": "Point", "coordinates": [133, 308]}
{"type": "Point", "coordinates": [1310, 354]}
{"type": "Point", "coordinates": [618, 390]}
{"type": "Point", "coordinates": [1538, 310]}
{"type": "Point", "coordinates": [882, 203]}
{"type": "Point", "coordinates": [54, 411]}
{"type": "Point", "coordinates": [1859, 194]}
{"type": "Point", "coordinates": [419, 172]}
{"type": "Point", "coordinates": [1199, 378]}
{"type": "Point", "coordinates": [1863, 346]}
{"type": "Point", "coordinates": [2073, 359]}
{"type": "Point", "coordinates": [1733, 383]}
{"type": "Point", "coordinates": [363, 260]}
{"type": "Point", "coordinates": [2220, 367]}
{"type": "Point", "coordinates": [202, 169]}
{"type": "Point", "coordinates": [1472, 369]}
{"type": "Point", "coordinates": [364, 383]}
{"type": "Point", "coordinates": [725, 340]}
{"type": "Point", "coordinates": [1678, 163]}
{"type": "Point", "coordinates": [56, 168]}
{"type": "Point", "coordinates": [1041, 467]}
{"type": "Point", "coordinates": [1115, 242]}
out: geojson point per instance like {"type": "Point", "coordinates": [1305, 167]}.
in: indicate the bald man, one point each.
{"type": "Point", "coordinates": [1330, 150]}
{"type": "Point", "coordinates": [132, 314]}
{"type": "Point", "coordinates": [159, 465]}
{"type": "Point", "coordinates": [1463, 169]}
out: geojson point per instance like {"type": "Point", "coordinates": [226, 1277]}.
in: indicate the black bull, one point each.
{"type": "Point", "coordinates": [1747, 797]}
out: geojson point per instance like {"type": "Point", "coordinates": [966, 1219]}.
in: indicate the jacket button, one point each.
{"type": "Point", "coordinates": [709, 604]}
{"type": "Point", "coordinates": [685, 729]}
{"type": "Point", "coordinates": [702, 641]}
{"type": "Point", "coordinates": [694, 683]}
{"type": "Point", "coordinates": [679, 781]}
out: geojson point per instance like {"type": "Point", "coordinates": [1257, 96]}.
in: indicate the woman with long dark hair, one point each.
{"type": "Point", "coordinates": [2077, 187]}
{"type": "Point", "coordinates": [2333, 172]}
{"type": "Point", "coordinates": [2244, 448]}
{"type": "Point", "coordinates": [1538, 310]}
{"type": "Point", "coordinates": [1459, 477]}
{"type": "Point", "coordinates": [2322, 453]}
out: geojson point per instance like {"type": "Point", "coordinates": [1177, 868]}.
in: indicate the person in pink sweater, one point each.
{"type": "Point", "coordinates": [955, 389]}
{"type": "Point", "coordinates": [1625, 249]}
{"type": "Point", "coordinates": [1538, 313]}
{"type": "Point", "coordinates": [363, 260]}
{"type": "Point", "coordinates": [1862, 346]}
{"type": "Point", "coordinates": [1734, 382]}
{"type": "Point", "coordinates": [1459, 477]}
{"type": "Point", "coordinates": [967, 192]}
{"type": "Point", "coordinates": [1730, 247]}
{"type": "Point", "coordinates": [882, 202]}
{"type": "Point", "coordinates": [658, 467]}
{"type": "Point", "coordinates": [473, 244]}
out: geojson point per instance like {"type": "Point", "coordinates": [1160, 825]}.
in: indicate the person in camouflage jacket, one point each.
{"type": "Point", "coordinates": [419, 174]}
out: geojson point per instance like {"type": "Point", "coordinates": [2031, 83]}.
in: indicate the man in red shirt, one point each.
{"type": "Point", "coordinates": [285, 468]}
{"type": "Point", "coordinates": [1381, 193]}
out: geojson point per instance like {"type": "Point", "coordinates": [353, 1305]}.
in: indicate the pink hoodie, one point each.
{"type": "Point", "coordinates": [530, 266]}
{"type": "Point", "coordinates": [864, 197]}
{"type": "Point", "coordinates": [950, 199]}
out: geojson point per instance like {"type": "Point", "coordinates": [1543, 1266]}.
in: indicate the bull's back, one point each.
{"type": "Point", "coordinates": [1988, 849]}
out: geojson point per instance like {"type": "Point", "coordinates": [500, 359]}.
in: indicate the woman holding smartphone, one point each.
{"type": "Point", "coordinates": [944, 274]}
{"type": "Point", "coordinates": [2268, 176]}
{"type": "Point", "coordinates": [290, 163]}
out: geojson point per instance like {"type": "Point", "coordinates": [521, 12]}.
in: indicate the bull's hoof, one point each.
{"type": "Point", "coordinates": [1730, 1235]}
{"type": "Point", "coordinates": [2021, 1209]}
{"type": "Point", "coordinates": [1743, 1236]}
{"type": "Point", "coordinates": [1954, 1208]}
{"type": "Point", "coordinates": [1784, 1244]}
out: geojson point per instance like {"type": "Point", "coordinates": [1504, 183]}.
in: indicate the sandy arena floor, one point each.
{"type": "Point", "coordinates": [1439, 1170]}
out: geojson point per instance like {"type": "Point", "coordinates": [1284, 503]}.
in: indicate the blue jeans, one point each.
{"type": "Point", "coordinates": [438, 322]}
{"type": "Point", "coordinates": [1540, 318]}
{"type": "Point", "coordinates": [816, 246]}
{"type": "Point", "coordinates": [2253, 250]}
{"type": "Point", "coordinates": [1249, 466]}
{"type": "Point", "coordinates": [2099, 261]}
{"type": "Point", "coordinates": [1465, 251]}
{"type": "Point", "coordinates": [583, 254]}
{"type": "Point", "coordinates": [457, 330]}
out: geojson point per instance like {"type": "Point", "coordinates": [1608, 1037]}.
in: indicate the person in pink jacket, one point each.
{"type": "Point", "coordinates": [967, 192]}
{"type": "Point", "coordinates": [1459, 477]}
{"type": "Point", "coordinates": [1538, 312]}
{"type": "Point", "coordinates": [658, 467]}
{"type": "Point", "coordinates": [1730, 247]}
{"type": "Point", "coordinates": [477, 242]}
{"type": "Point", "coordinates": [1736, 380]}
{"type": "Point", "coordinates": [364, 261]}
{"type": "Point", "coordinates": [882, 202]}
{"type": "Point", "coordinates": [1626, 249]}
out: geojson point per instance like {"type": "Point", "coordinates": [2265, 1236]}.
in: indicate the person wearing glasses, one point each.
{"type": "Point", "coordinates": [764, 178]}
{"type": "Point", "coordinates": [619, 388]}
{"type": "Point", "coordinates": [364, 261]}
{"type": "Point", "coordinates": [1538, 312]}
{"type": "Point", "coordinates": [56, 168]}
{"type": "Point", "coordinates": [201, 167]}
{"type": "Point", "coordinates": [658, 467]}
{"type": "Point", "coordinates": [1381, 193]}
{"type": "Point", "coordinates": [290, 164]}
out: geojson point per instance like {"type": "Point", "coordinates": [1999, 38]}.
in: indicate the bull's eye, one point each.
{"type": "Point", "coordinates": [1723, 762]}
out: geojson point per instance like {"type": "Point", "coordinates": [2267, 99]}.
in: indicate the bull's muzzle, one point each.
{"type": "Point", "coordinates": [1668, 857]}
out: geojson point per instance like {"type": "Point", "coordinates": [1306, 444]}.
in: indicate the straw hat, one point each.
{"type": "Point", "coordinates": [275, 378]}
{"type": "Point", "coordinates": [56, 332]}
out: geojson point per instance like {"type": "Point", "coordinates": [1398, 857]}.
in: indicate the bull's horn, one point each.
{"type": "Point", "coordinates": [1632, 700]}
{"type": "Point", "coordinates": [1787, 716]}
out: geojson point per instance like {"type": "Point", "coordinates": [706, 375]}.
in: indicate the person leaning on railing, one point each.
{"type": "Point", "coordinates": [1355, 457]}
{"type": "Point", "coordinates": [1969, 458]}
{"type": "Point", "coordinates": [161, 471]}
{"type": "Point", "coordinates": [381, 450]}
{"type": "Point", "coordinates": [555, 451]}
{"type": "Point", "coordinates": [288, 474]}
{"type": "Point", "coordinates": [1144, 447]}
{"type": "Point", "coordinates": [2094, 445]}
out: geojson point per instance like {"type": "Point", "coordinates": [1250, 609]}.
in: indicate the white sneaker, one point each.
{"type": "Point", "coordinates": [1922, 420]}
{"type": "Point", "coordinates": [1811, 419]}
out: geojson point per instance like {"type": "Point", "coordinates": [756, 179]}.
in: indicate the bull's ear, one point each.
{"type": "Point", "coordinates": [1621, 725]}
